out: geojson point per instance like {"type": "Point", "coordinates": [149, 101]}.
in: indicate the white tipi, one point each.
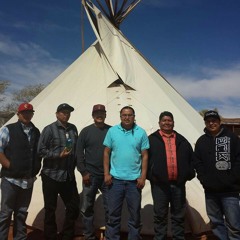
{"type": "Point", "coordinates": [112, 72]}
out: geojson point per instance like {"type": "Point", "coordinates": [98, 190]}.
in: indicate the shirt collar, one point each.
{"type": "Point", "coordinates": [171, 135]}
{"type": "Point", "coordinates": [59, 124]}
{"type": "Point", "coordinates": [135, 127]}
{"type": "Point", "coordinates": [25, 127]}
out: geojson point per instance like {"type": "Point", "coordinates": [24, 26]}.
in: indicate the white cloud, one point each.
{"type": "Point", "coordinates": [218, 88]}
{"type": "Point", "coordinates": [20, 49]}
{"type": "Point", "coordinates": [27, 64]}
{"type": "Point", "coordinates": [218, 84]}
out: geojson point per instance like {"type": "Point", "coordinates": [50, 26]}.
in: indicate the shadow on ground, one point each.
{"type": "Point", "coordinates": [36, 234]}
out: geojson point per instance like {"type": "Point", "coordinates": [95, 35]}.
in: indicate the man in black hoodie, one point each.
{"type": "Point", "coordinates": [217, 162]}
{"type": "Point", "coordinates": [170, 166]}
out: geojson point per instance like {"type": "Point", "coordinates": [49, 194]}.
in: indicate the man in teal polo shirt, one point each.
{"type": "Point", "coordinates": [125, 168]}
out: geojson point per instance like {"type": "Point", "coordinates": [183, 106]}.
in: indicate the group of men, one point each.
{"type": "Point", "coordinates": [117, 161]}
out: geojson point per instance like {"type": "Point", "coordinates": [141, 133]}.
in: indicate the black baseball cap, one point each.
{"type": "Point", "coordinates": [211, 114]}
{"type": "Point", "coordinates": [65, 106]}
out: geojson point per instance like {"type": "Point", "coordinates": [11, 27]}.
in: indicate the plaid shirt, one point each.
{"type": "Point", "coordinates": [170, 146]}
{"type": "Point", "coordinates": [51, 143]}
{"type": "Point", "coordinates": [4, 140]}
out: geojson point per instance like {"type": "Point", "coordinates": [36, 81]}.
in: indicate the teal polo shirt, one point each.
{"type": "Point", "coordinates": [126, 147]}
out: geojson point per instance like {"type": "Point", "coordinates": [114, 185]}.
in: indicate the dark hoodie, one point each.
{"type": "Point", "coordinates": [217, 161]}
{"type": "Point", "coordinates": [157, 163]}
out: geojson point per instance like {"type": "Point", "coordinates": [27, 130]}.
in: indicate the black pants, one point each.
{"type": "Point", "coordinates": [69, 194]}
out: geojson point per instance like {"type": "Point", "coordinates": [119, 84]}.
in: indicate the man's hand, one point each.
{"type": "Point", "coordinates": [4, 161]}
{"type": "Point", "coordinates": [140, 183]}
{"type": "Point", "coordinates": [65, 153]}
{"type": "Point", "coordinates": [108, 179]}
{"type": "Point", "coordinates": [86, 179]}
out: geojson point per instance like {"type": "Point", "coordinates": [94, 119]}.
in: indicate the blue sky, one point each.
{"type": "Point", "coordinates": [194, 44]}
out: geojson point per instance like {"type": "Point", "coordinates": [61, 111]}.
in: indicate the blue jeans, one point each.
{"type": "Point", "coordinates": [162, 196]}
{"type": "Point", "coordinates": [117, 192]}
{"type": "Point", "coordinates": [224, 213]}
{"type": "Point", "coordinates": [88, 200]}
{"type": "Point", "coordinates": [14, 200]}
{"type": "Point", "coordinates": [69, 194]}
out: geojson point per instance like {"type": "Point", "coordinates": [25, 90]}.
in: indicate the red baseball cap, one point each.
{"type": "Point", "coordinates": [98, 107]}
{"type": "Point", "coordinates": [25, 107]}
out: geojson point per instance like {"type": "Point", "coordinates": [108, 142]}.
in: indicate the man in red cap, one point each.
{"type": "Point", "coordinates": [90, 164]}
{"type": "Point", "coordinates": [20, 164]}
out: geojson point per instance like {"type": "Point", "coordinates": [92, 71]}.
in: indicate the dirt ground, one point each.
{"type": "Point", "coordinates": [36, 234]}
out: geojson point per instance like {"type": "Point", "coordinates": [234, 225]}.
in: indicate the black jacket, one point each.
{"type": "Point", "coordinates": [22, 154]}
{"type": "Point", "coordinates": [217, 162]}
{"type": "Point", "coordinates": [157, 163]}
